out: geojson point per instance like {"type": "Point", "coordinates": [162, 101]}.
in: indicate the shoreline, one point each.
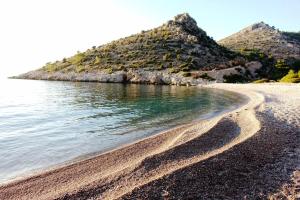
{"type": "Point", "coordinates": [131, 170]}
{"type": "Point", "coordinates": [198, 119]}
{"type": "Point", "coordinates": [143, 76]}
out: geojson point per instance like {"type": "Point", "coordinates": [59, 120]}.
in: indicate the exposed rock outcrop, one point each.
{"type": "Point", "coordinates": [140, 76]}
{"type": "Point", "coordinates": [249, 71]}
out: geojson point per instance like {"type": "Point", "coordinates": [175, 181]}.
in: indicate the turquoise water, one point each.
{"type": "Point", "coordinates": [45, 123]}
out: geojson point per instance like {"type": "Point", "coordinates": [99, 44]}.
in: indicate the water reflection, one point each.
{"type": "Point", "coordinates": [43, 123]}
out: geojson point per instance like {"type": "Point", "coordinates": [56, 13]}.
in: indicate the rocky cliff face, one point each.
{"type": "Point", "coordinates": [267, 39]}
{"type": "Point", "coordinates": [173, 49]}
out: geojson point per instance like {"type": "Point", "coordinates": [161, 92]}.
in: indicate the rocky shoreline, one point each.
{"type": "Point", "coordinates": [142, 76]}
{"type": "Point", "coordinates": [131, 76]}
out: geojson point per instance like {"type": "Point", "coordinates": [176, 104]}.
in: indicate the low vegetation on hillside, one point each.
{"type": "Point", "coordinates": [267, 39]}
{"type": "Point", "coordinates": [179, 50]}
{"type": "Point", "coordinates": [279, 52]}
{"type": "Point", "coordinates": [272, 69]}
{"type": "Point", "coordinates": [178, 45]}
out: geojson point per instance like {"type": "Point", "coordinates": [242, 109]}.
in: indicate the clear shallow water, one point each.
{"type": "Point", "coordinates": [44, 123]}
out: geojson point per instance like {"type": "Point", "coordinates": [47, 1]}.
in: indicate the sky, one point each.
{"type": "Point", "coordinates": [34, 32]}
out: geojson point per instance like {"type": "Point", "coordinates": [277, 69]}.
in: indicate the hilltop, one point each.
{"type": "Point", "coordinates": [267, 39]}
{"type": "Point", "coordinates": [278, 51]}
{"type": "Point", "coordinates": [168, 54]}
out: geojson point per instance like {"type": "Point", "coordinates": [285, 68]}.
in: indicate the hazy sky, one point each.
{"type": "Point", "coordinates": [34, 32]}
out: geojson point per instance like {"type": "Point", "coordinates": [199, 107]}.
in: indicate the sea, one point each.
{"type": "Point", "coordinates": [44, 124]}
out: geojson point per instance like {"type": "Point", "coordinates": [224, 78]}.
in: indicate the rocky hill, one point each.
{"type": "Point", "coordinates": [166, 54]}
{"type": "Point", "coordinates": [267, 39]}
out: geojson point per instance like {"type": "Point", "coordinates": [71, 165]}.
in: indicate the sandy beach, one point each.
{"type": "Point", "coordinates": [252, 152]}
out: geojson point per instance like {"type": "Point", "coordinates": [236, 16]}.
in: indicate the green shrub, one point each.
{"type": "Point", "coordinates": [160, 67]}
{"type": "Point", "coordinates": [79, 68]}
{"type": "Point", "coordinates": [235, 78]}
{"type": "Point", "coordinates": [109, 70]}
{"type": "Point", "coordinates": [178, 51]}
{"type": "Point", "coordinates": [174, 70]}
{"type": "Point", "coordinates": [97, 60]}
{"type": "Point", "coordinates": [291, 77]}
{"type": "Point", "coordinates": [264, 80]}
{"type": "Point", "coordinates": [186, 74]}
{"type": "Point", "coordinates": [205, 76]}
{"type": "Point", "coordinates": [281, 64]}
{"type": "Point", "coordinates": [49, 67]}
{"type": "Point", "coordinates": [77, 59]}
{"type": "Point", "coordinates": [167, 57]}
{"type": "Point", "coordinates": [53, 67]}
{"type": "Point", "coordinates": [120, 68]}
{"type": "Point", "coordinates": [135, 65]}
{"type": "Point", "coordinates": [252, 54]}
{"type": "Point", "coordinates": [282, 68]}
{"type": "Point", "coordinates": [185, 67]}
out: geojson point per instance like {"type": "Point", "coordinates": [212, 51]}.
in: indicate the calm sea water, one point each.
{"type": "Point", "coordinates": [44, 123]}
